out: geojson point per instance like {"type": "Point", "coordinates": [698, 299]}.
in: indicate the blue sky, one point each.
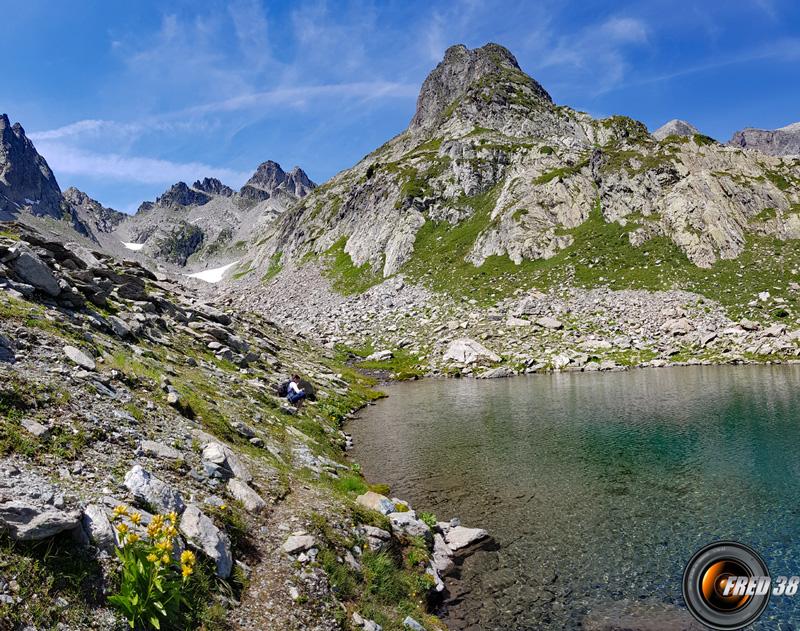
{"type": "Point", "coordinates": [125, 98]}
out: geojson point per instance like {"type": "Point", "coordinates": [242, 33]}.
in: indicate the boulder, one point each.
{"type": "Point", "coordinates": [749, 325]}
{"type": "Point", "coordinates": [560, 361]}
{"type": "Point", "coordinates": [149, 489]}
{"type": "Point", "coordinates": [548, 322]}
{"type": "Point", "coordinates": [298, 543]}
{"type": "Point", "coordinates": [160, 450]}
{"type": "Point", "coordinates": [461, 537]}
{"type": "Point", "coordinates": [512, 321]}
{"type": "Point", "coordinates": [203, 535]}
{"type": "Point", "coordinates": [32, 270]}
{"type": "Point", "coordinates": [408, 524]}
{"type": "Point", "coordinates": [496, 373]}
{"type": "Point", "coordinates": [98, 528]}
{"type": "Point", "coordinates": [119, 326]}
{"type": "Point", "coordinates": [467, 351]}
{"type": "Point", "coordinates": [223, 457]}
{"type": "Point", "coordinates": [775, 330]}
{"type": "Point", "coordinates": [34, 427]}
{"type": "Point", "coordinates": [442, 555]}
{"type": "Point", "coordinates": [26, 521]}
{"type": "Point", "coordinates": [410, 623]}
{"type": "Point", "coordinates": [380, 356]}
{"type": "Point", "coordinates": [377, 502]}
{"type": "Point", "coordinates": [80, 358]}
{"type": "Point", "coordinates": [242, 492]}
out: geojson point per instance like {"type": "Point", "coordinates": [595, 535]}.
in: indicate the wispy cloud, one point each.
{"type": "Point", "coordinates": [785, 51]}
{"type": "Point", "coordinates": [301, 96]}
{"type": "Point", "coordinates": [65, 159]}
{"type": "Point", "coordinates": [597, 54]}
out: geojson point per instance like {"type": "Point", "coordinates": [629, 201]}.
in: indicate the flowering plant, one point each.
{"type": "Point", "coordinates": [150, 592]}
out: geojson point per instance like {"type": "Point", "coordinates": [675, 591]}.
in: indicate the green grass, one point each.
{"type": "Point", "coordinates": [347, 278]}
{"type": "Point", "coordinates": [274, 267]}
{"type": "Point", "coordinates": [561, 172]}
{"type": "Point", "coordinates": [47, 571]}
{"type": "Point", "coordinates": [403, 364]}
{"type": "Point", "coordinates": [601, 255]}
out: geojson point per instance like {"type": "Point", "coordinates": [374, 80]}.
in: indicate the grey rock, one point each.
{"type": "Point", "coordinates": [408, 524]}
{"type": "Point", "coordinates": [461, 537]}
{"type": "Point", "coordinates": [80, 358]}
{"type": "Point", "coordinates": [149, 489]}
{"type": "Point", "coordinates": [410, 623]}
{"type": "Point", "coordinates": [379, 356]}
{"type": "Point", "coordinates": [160, 450]}
{"type": "Point", "coordinates": [298, 543]}
{"type": "Point", "coordinates": [777, 142]}
{"type": "Point", "coordinates": [27, 521]}
{"type": "Point", "coordinates": [467, 351]}
{"type": "Point", "coordinates": [548, 322]}
{"type": "Point", "coordinates": [241, 491]}
{"type": "Point", "coordinates": [203, 535]}
{"type": "Point", "coordinates": [32, 270]}
{"type": "Point", "coordinates": [35, 428]}
{"type": "Point", "coordinates": [119, 326]}
{"type": "Point", "coordinates": [98, 527]}
{"type": "Point", "coordinates": [377, 502]}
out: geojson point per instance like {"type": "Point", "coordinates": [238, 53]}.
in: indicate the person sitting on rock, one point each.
{"type": "Point", "coordinates": [295, 394]}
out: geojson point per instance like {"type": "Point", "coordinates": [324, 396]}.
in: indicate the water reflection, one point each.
{"type": "Point", "coordinates": [598, 487]}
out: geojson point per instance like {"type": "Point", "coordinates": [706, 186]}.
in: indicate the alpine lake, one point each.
{"type": "Point", "coordinates": [596, 488]}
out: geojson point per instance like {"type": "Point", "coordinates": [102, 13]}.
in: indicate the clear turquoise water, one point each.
{"type": "Point", "coordinates": [597, 488]}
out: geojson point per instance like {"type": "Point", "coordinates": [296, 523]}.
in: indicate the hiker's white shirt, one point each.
{"type": "Point", "coordinates": [293, 387]}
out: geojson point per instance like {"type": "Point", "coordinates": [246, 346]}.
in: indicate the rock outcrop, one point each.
{"type": "Point", "coordinates": [784, 141]}
{"type": "Point", "coordinates": [26, 182]}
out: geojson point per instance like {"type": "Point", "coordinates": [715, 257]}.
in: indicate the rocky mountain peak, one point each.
{"type": "Point", "coordinates": [181, 195]}
{"type": "Point", "coordinates": [92, 213]}
{"type": "Point", "coordinates": [213, 186]}
{"type": "Point", "coordinates": [784, 141]}
{"type": "Point", "coordinates": [26, 181]}
{"type": "Point", "coordinates": [462, 70]}
{"type": "Point", "coordinates": [675, 127]}
{"type": "Point", "coordinates": [270, 178]}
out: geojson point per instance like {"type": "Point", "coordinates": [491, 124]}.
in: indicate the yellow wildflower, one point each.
{"type": "Point", "coordinates": [165, 559]}
{"type": "Point", "coordinates": [136, 518]}
{"type": "Point", "coordinates": [187, 557]}
{"type": "Point", "coordinates": [186, 570]}
{"type": "Point", "coordinates": [123, 528]}
{"type": "Point", "coordinates": [152, 558]}
{"type": "Point", "coordinates": [173, 517]}
{"type": "Point", "coordinates": [132, 538]}
{"type": "Point", "coordinates": [222, 507]}
{"type": "Point", "coordinates": [120, 510]}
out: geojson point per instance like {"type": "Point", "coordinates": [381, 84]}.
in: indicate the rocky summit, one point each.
{"type": "Point", "coordinates": [501, 233]}
{"type": "Point", "coordinates": [784, 141]}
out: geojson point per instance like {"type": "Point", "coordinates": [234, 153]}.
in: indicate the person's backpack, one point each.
{"type": "Point", "coordinates": [309, 389]}
{"type": "Point", "coordinates": [283, 389]}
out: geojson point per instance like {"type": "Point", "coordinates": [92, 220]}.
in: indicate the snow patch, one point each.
{"type": "Point", "coordinates": [32, 202]}
{"type": "Point", "coordinates": [133, 246]}
{"type": "Point", "coordinates": [213, 275]}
